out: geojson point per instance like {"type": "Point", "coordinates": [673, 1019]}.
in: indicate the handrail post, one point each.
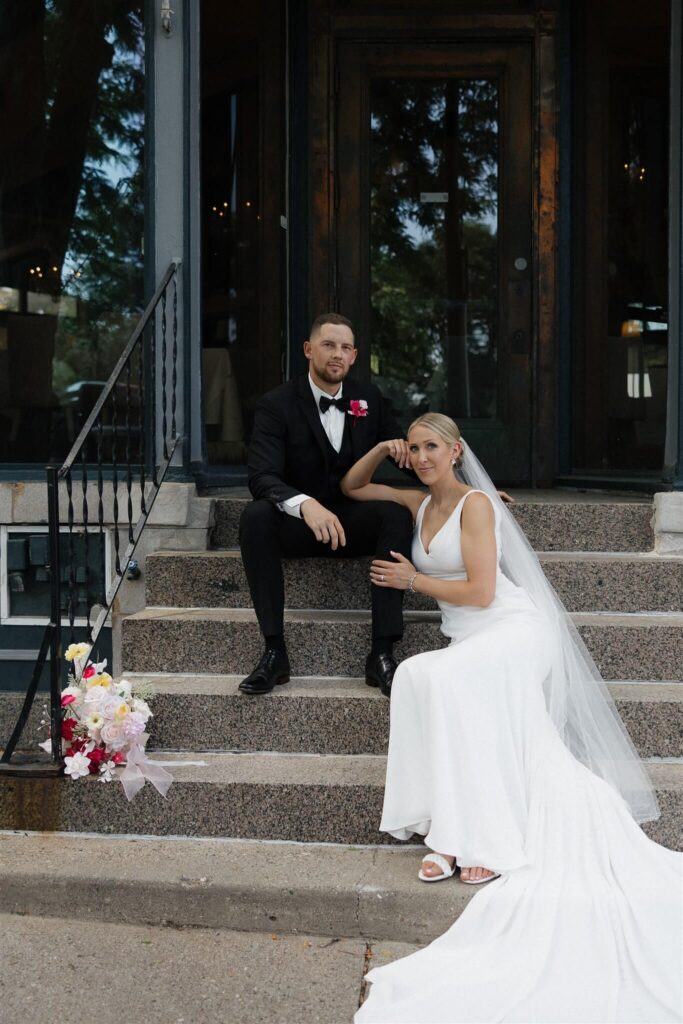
{"type": "Point", "coordinates": [55, 613]}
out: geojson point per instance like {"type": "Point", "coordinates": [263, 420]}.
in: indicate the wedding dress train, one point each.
{"type": "Point", "coordinates": [586, 922]}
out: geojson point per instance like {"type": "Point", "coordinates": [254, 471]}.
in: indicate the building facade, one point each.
{"type": "Point", "coordinates": [491, 191]}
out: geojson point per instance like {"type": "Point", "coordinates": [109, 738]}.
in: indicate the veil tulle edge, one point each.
{"type": "Point", "coordinates": [576, 695]}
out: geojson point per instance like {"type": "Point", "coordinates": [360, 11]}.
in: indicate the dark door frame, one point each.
{"type": "Point", "coordinates": [331, 21]}
{"type": "Point", "coordinates": [503, 441]}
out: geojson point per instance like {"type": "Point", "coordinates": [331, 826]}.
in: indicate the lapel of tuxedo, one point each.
{"type": "Point", "coordinates": [310, 410]}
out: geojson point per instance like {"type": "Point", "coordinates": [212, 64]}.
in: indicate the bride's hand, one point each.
{"type": "Point", "coordinates": [396, 574]}
{"type": "Point", "coordinates": [397, 449]}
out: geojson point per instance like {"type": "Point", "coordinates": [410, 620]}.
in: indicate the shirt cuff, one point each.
{"type": "Point", "coordinates": [293, 505]}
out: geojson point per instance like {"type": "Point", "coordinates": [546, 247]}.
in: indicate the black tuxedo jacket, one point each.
{"type": "Point", "coordinates": [289, 452]}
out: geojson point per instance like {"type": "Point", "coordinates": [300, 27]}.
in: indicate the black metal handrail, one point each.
{"type": "Point", "coordinates": [128, 432]}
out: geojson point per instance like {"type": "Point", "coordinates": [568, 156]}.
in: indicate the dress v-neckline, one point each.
{"type": "Point", "coordinates": [443, 525]}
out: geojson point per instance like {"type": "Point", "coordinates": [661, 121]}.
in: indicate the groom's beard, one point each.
{"type": "Point", "coordinates": [330, 377]}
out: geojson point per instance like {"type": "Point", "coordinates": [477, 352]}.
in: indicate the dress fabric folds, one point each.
{"type": "Point", "coordinates": [586, 922]}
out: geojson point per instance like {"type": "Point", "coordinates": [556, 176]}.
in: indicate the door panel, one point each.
{"type": "Point", "coordinates": [433, 231]}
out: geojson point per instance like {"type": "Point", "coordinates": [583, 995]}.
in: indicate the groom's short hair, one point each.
{"type": "Point", "coordinates": [331, 318]}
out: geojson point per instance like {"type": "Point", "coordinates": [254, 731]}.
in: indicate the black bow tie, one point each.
{"type": "Point", "coordinates": [337, 403]}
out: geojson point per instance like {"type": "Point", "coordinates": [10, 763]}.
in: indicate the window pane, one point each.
{"type": "Point", "coordinates": [71, 213]}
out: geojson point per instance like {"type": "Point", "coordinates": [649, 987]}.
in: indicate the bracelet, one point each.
{"type": "Point", "coordinates": [411, 581]}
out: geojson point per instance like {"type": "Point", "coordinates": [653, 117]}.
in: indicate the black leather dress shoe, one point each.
{"type": "Point", "coordinates": [272, 670]}
{"type": "Point", "coordinates": [379, 671]}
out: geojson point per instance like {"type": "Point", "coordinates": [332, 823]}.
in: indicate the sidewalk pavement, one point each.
{"type": "Point", "coordinates": [56, 969]}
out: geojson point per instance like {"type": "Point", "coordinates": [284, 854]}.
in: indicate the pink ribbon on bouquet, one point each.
{"type": "Point", "coordinates": [139, 769]}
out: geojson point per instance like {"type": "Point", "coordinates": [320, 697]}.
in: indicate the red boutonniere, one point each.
{"type": "Point", "coordinates": [358, 407]}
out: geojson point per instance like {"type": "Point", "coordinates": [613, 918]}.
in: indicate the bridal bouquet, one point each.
{"type": "Point", "coordinates": [104, 727]}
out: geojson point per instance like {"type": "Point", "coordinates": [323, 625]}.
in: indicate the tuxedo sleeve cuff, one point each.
{"type": "Point", "coordinates": [293, 505]}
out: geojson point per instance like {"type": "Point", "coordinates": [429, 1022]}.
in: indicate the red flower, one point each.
{"type": "Point", "coordinates": [96, 757]}
{"type": "Point", "coordinates": [118, 757]}
{"type": "Point", "coordinates": [67, 699]}
{"type": "Point", "coordinates": [358, 407]}
{"type": "Point", "coordinates": [89, 672]}
{"type": "Point", "coordinates": [75, 748]}
{"type": "Point", "coordinates": [68, 726]}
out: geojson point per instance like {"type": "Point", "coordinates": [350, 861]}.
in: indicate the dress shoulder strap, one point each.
{"type": "Point", "coordinates": [476, 490]}
{"type": "Point", "coordinates": [421, 509]}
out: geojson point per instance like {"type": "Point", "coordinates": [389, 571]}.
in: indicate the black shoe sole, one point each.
{"type": "Point", "coordinates": [369, 681]}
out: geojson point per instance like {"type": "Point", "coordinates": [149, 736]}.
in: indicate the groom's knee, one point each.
{"type": "Point", "coordinates": [258, 517]}
{"type": "Point", "coordinates": [395, 516]}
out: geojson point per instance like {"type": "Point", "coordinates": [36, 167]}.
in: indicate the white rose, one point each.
{"type": "Point", "coordinates": [124, 689]}
{"type": "Point", "coordinates": [110, 706]}
{"type": "Point", "coordinates": [142, 708]}
{"type": "Point", "coordinates": [96, 694]}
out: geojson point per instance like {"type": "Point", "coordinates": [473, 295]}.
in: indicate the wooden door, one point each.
{"type": "Point", "coordinates": [433, 229]}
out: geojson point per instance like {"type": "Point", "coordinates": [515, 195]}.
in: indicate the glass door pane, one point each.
{"type": "Point", "coordinates": [434, 224]}
{"type": "Point", "coordinates": [434, 244]}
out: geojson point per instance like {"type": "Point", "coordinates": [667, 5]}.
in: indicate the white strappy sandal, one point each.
{"type": "Point", "coordinates": [441, 862]}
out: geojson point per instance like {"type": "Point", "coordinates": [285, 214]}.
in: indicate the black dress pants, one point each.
{"type": "Point", "coordinates": [371, 528]}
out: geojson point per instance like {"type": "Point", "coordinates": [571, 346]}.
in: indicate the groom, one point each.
{"type": "Point", "coordinates": [307, 434]}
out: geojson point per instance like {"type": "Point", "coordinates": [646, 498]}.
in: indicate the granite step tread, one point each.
{"type": "Point", "coordinates": [607, 581]}
{"type": "Point", "coordinates": [345, 716]}
{"type": "Point", "coordinates": [637, 646]}
{"type": "Point", "coordinates": [243, 885]}
{"type": "Point", "coordinates": [329, 715]}
{"type": "Point", "coordinates": [551, 520]}
{"type": "Point", "coordinates": [290, 797]}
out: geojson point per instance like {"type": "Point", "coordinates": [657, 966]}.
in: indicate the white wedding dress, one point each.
{"type": "Point", "coordinates": [585, 923]}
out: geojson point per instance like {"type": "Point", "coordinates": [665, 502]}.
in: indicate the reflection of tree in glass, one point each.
{"type": "Point", "coordinates": [73, 203]}
{"type": "Point", "coordinates": [427, 135]}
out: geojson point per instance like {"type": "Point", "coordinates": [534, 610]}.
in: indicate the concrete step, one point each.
{"type": "Point", "coordinates": [292, 797]}
{"type": "Point", "coordinates": [552, 521]}
{"type": "Point", "coordinates": [329, 643]}
{"type": "Point", "coordinates": [585, 582]}
{"type": "Point", "coordinates": [344, 716]}
{"type": "Point", "coordinates": [172, 975]}
{"type": "Point", "coordinates": [321, 715]}
{"type": "Point", "coordinates": [371, 893]}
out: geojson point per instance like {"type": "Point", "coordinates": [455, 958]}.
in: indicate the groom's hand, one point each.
{"type": "Point", "coordinates": [325, 525]}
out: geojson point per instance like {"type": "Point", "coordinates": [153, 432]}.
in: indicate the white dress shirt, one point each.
{"type": "Point", "coordinates": [333, 425]}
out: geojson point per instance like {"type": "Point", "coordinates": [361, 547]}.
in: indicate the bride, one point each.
{"type": "Point", "coordinates": [507, 754]}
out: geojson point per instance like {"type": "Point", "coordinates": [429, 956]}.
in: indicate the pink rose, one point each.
{"type": "Point", "coordinates": [358, 407]}
{"type": "Point", "coordinates": [68, 698]}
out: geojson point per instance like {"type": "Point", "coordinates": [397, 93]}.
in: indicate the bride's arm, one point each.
{"type": "Point", "coordinates": [478, 543]}
{"type": "Point", "coordinates": [356, 483]}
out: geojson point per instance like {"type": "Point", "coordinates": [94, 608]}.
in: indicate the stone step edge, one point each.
{"type": "Point", "coordinates": [342, 687]}
{"type": "Point", "coordinates": [234, 554]}
{"type": "Point", "coordinates": [274, 768]}
{"type": "Point", "coordinates": [627, 619]}
{"type": "Point", "coordinates": [319, 888]}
